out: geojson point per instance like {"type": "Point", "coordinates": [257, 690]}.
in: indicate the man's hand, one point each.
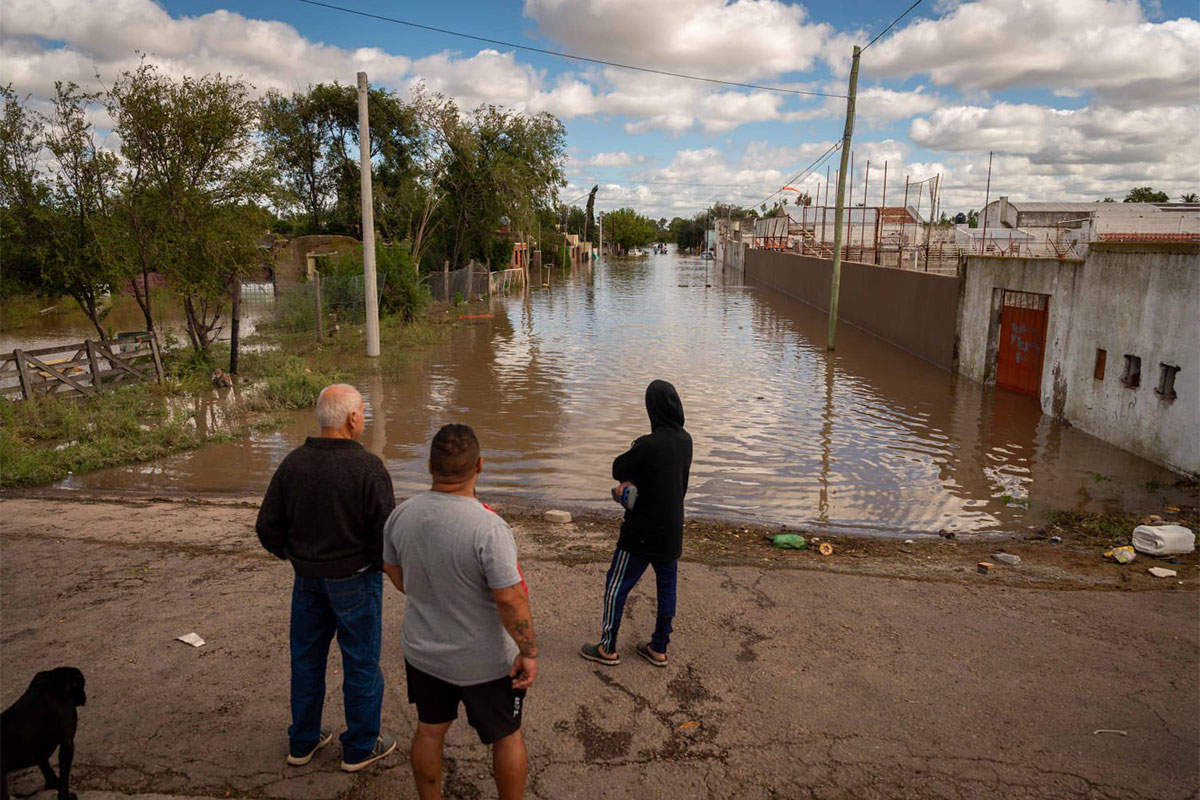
{"type": "Point", "coordinates": [395, 575]}
{"type": "Point", "coordinates": [524, 670]}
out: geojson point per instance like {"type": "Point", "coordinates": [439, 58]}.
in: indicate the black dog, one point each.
{"type": "Point", "coordinates": [41, 721]}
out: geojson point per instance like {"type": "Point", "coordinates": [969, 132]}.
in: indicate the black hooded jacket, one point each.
{"type": "Point", "coordinates": [658, 465]}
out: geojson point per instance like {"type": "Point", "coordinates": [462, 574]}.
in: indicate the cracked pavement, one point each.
{"type": "Point", "coordinates": [784, 683]}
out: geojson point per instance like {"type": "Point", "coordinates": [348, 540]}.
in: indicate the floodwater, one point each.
{"type": "Point", "coordinates": [867, 439]}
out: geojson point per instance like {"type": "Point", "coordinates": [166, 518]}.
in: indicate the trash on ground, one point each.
{"type": "Point", "coordinates": [1007, 558]}
{"type": "Point", "coordinates": [789, 541]}
{"type": "Point", "coordinates": [190, 638]}
{"type": "Point", "coordinates": [554, 515]}
{"type": "Point", "coordinates": [1163, 572]}
{"type": "Point", "coordinates": [1109, 730]}
{"type": "Point", "coordinates": [1055, 540]}
{"type": "Point", "coordinates": [909, 541]}
{"type": "Point", "coordinates": [1173, 509]}
{"type": "Point", "coordinates": [826, 548]}
{"type": "Point", "coordinates": [1152, 519]}
{"type": "Point", "coordinates": [686, 725]}
{"type": "Point", "coordinates": [1122, 555]}
{"type": "Point", "coordinates": [984, 567]}
{"type": "Point", "coordinates": [1163, 540]}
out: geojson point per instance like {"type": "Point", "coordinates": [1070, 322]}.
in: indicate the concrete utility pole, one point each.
{"type": "Point", "coordinates": [601, 233]}
{"type": "Point", "coordinates": [368, 220]}
{"type": "Point", "coordinates": [838, 210]}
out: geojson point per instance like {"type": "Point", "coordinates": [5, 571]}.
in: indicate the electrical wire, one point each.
{"type": "Point", "coordinates": [560, 54]}
{"type": "Point", "coordinates": [820, 160]}
{"type": "Point", "coordinates": [889, 27]}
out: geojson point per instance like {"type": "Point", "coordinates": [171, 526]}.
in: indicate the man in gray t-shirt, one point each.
{"type": "Point", "coordinates": [467, 635]}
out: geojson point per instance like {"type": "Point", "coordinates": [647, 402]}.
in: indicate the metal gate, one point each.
{"type": "Point", "coordinates": [1022, 341]}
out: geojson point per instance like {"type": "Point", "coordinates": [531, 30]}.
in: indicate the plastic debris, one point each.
{"type": "Point", "coordinates": [693, 724]}
{"type": "Point", "coordinates": [984, 567]}
{"type": "Point", "coordinates": [1007, 558]}
{"type": "Point", "coordinates": [1055, 540]}
{"type": "Point", "coordinates": [789, 541]}
{"type": "Point", "coordinates": [1163, 540]}
{"type": "Point", "coordinates": [1122, 555]}
{"type": "Point", "coordinates": [554, 515]}
{"type": "Point", "coordinates": [1110, 730]}
{"type": "Point", "coordinates": [190, 638]}
{"type": "Point", "coordinates": [1163, 572]}
{"type": "Point", "coordinates": [826, 548]}
{"type": "Point", "coordinates": [909, 541]}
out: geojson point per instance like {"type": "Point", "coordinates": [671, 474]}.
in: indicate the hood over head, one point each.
{"type": "Point", "coordinates": [663, 405]}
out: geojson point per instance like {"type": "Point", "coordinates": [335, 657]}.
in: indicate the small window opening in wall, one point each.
{"type": "Point", "coordinates": [1132, 377]}
{"type": "Point", "coordinates": [1101, 360]}
{"type": "Point", "coordinates": [1166, 381]}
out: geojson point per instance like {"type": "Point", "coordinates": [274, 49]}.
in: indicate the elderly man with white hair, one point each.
{"type": "Point", "coordinates": [324, 512]}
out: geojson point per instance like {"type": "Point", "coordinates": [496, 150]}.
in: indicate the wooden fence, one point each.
{"type": "Point", "coordinates": [80, 370]}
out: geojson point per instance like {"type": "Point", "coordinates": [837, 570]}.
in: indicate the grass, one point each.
{"type": "Point", "coordinates": [44, 440]}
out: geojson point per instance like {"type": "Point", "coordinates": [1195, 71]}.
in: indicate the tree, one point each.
{"type": "Point", "coordinates": [298, 142]}
{"type": "Point", "coordinates": [590, 224]}
{"type": "Point", "coordinates": [190, 146]}
{"type": "Point", "coordinates": [1145, 194]}
{"type": "Point", "coordinates": [627, 228]}
{"type": "Point", "coordinates": [84, 177]}
{"type": "Point", "coordinates": [972, 218]}
{"type": "Point", "coordinates": [1190, 197]}
{"type": "Point", "coordinates": [24, 200]}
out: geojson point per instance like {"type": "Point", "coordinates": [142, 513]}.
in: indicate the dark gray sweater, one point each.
{"type": "Point", "coordinates": [325, 509]}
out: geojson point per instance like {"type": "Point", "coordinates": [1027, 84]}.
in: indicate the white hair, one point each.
{"type": "Point", "coordinates": [335, 403]}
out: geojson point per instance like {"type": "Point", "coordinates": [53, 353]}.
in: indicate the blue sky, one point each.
{"type": "Point", "coordinates": [1078, 99]}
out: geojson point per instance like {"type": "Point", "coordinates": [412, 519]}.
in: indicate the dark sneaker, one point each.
{"type": "Point", "coordinates": [643, 650]}
{"type": "Point", "coordinates": [300, 761]}
{"type": "Point", "coordinates": [592, 653]}
{"type": "Point", "coordinates": [383, 746]}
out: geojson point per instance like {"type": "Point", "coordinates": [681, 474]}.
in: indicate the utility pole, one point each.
{"type": "Point", "coordinates": [368, 220]}
{"type": "Point", "coordinates": [987, 198]}
{"type": "Point", "coordinates": [836, 284]}
{"type": "Point", "coordinates": [601, 233]}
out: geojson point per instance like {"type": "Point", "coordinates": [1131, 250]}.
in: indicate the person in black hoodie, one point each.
{"type": "Point", "coordinates": [652, 531]}
{"type": "Point", "coordinates": [324, 512]}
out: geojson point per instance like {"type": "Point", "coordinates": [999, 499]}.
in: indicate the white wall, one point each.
{"type": "Point", "coordinates": [1136, 299]}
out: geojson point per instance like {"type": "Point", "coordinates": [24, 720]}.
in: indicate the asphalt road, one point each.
{"type": "Point", "coordinates": [784, 683]}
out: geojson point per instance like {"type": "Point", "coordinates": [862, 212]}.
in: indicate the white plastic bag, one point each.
{"type": "Point", "coordinates": [1163, 540]}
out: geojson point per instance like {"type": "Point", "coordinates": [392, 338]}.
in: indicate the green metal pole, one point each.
{"type": "Point", "coordinates": [838, 210]}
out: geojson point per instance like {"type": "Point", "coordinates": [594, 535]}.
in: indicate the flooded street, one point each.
{"type": "Point", "coordinates": [867, 439]}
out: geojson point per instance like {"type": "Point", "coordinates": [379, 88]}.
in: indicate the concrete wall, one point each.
{"type": "Point", "coordinates": [915, 311]}
{"type": "Point", "coordinates": [1128, 299]}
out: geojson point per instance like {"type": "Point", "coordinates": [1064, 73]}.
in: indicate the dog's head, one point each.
{"type": "Point", "coordinates": [68, 680]}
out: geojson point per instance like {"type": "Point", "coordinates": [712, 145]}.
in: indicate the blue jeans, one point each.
{"type": "Point", "coordinates": [353, 609]}
{"type": "Point", "coordinates": [623, 574]}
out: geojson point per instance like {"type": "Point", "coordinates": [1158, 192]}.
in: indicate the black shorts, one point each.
{"type": "Point", "coordinates": [493, 708]}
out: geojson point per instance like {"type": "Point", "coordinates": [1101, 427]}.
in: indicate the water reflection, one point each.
{"type": "Point", "coordinates": [867, 438]}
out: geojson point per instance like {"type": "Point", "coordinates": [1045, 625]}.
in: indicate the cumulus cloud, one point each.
{"type": "Point", "coordinates": [742, 40]}
{"type": "Point", "coordinates": [619, 159]}
{"type": "Point", "coordinates": [1104, 46]}
{"type": "Point", "coordinates": [1091, 135]}
{"type": "Point", "coordinates": [104, 37]}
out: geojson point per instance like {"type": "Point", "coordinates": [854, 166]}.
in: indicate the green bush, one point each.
{"type": "Point", "coordinates": [499, 254]}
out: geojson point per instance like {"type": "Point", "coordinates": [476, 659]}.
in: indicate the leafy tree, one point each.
{"type": "Point", "coordinates": [1190, 197]}
{"type": "Point", "coordinates": [590, 224]}
{"type": "Point", "coordinates": [191, 144]}
{"type": "Point", "coordinates": [576, 220]}
{"type": "Point", "coordinates": [298, 142]}
{"type": "Point", "coordinates": [628, 228]}
{"type": "Point", "coordinates": [972, 218]}
{"type": "Point", "coordinates": [1145, 194]}
{"type": "Point", "coordinates": [24, 196]}
{"type": "Point", "coordinates": [84, 177]}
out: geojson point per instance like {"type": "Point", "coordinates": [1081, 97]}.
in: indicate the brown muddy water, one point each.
{"type": "Point", "coordinates": [867, 439]}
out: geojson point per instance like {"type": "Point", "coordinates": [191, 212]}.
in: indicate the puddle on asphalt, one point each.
{"type": "Point", "coordinates": [867, 439]}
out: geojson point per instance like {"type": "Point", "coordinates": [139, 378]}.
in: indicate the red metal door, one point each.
{"type": "Point", "coordinates": [1022, 341]}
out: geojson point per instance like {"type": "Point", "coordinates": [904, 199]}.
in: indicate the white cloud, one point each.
{"type": "Point", "coordinates": [619, 159]}
{"type": "Point", "coordinates": [1093, 136]}
{"type": "Point", "coordinates": [103, 37]}
{"type": "Point", "coordinates": [741, 40]}
{"type": "Point", "coordinates": [1105, 46]}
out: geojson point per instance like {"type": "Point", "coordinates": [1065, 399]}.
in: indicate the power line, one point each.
{"type": "Point", "coordinates": [889, 27]}
{"type": "Point", "coordinates": [559, 54]}
{"type": "Point", "coordinates": [820, 160]}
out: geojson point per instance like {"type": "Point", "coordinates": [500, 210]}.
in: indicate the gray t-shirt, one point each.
{"type": "Point", "coordinates": [453, 552]}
